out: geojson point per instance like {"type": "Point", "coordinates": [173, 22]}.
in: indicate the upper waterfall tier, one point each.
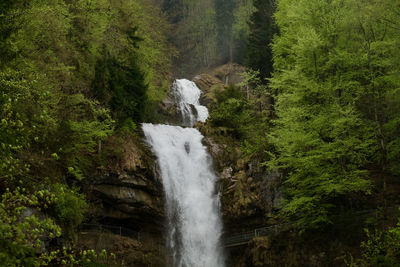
{"type": "Point", "coordinates": [187, 96]}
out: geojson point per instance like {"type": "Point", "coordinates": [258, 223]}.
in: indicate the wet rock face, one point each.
{"type": "Point", "coordinates": [128, 199]}
{"type": "Point", "coordinates": [272, 182]}
{"type": "Point", "coordinates": [167, 112]}
{"type": "Point", "coordinates": [250, 193]}
{"type": "Point", "coordinates": [129, 193]}
{"type": "Point", "coordinates": [205, 81]}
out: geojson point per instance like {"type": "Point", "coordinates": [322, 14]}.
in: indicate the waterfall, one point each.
{"type": "Point", "coordinates": [194, 225]}
{"type": "Point", "coordinates": [187, 96]}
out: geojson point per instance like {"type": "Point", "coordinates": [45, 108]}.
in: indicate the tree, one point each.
{"type": "Point", "coordinates": [7, 26]}
{"type": "Point", "coordinates": [224, 10]}
{"type": "Point", "coordinates": [194, 33]}
{"type": "Point", "coordinates": [333, 70]}
{"type": "Point", "coordinates": [22, 233]}
{"type": "Point", "coordinates": [241, 28]}
{"type": "Point", "coordinates": [377, 32]}
{"type": "Point", "coordinates": [57, 57]}
{"type": "Point", "coordinates": [262, 30]}
{"type": "Point", "coordinates": [121, 86]}
{"type": "Point", "coordinates": [382, 248]}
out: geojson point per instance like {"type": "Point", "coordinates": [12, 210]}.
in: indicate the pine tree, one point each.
{"type": "Point", "coordinates": [224, 20]}
{"type": "Point", "coordinates": [7, 26]}
{"type": "Point", "coordinates": [262, 30]}
{"type": "Point", "coordinates": [174, 9]}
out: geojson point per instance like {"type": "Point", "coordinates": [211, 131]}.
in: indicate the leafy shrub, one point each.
{"type": "Point", "coordinates": [70, 208]}
{"type": "Point", "coordinates": [128, 126]}
{"type": "Point", "coordinates": [230, 109]}
{"type": "Point", "coordinates": [22, 232]}
{"type": "Point", "coordinates": [382, 248]}
{"type": "Point", "coordinates": [228, 113]}
{"type": "Point", "coordinates": [230, 92]}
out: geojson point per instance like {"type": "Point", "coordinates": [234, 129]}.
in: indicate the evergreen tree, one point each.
{"type": "Point", "coordinates": [120, 84]}
{"type": "Point", "coordinates": [174, 9]}
{"type": "Point", "coordinates": [224, 11]}
{"type": "Point", "coordinates": [241, 28]}
{"type": "Point", "coordinates": [7, 26]}
{"type": "Point", "coordinates": [262, 30]}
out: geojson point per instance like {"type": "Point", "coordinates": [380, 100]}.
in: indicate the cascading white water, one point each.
{"type": "Point", "coordinates": [187, 96]}
{"type": "Point", "coordinates": [189, 183]}
{"type": "Point", "coordinates": [192, 206]}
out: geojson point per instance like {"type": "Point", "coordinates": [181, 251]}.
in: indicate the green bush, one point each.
{"type": "Point", "coordinates": [230, 109]}
{"type": "Point", "coordinates": [70, 208]}
{"type": "Point", "coordinates": [23, 231]}
{"type": "Point", "coordinates": [128, 126]}
{"type": "Point", "coordinates": [230, 92]}
{"type": "Point", "coordinates": [382, 248]}
{"type": "Point", "coordinates": [228, 113]}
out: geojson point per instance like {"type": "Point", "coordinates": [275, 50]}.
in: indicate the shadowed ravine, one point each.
{"type": "Point", "coordinates": [194, 224]}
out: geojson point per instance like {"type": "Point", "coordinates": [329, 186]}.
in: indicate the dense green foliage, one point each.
{"type": "Point", "coordinates": [328, 118]}
{"type": "Point", "coordinates": [244, 114]}
{"type": "Point", "coordinates": [68, 81]}
{"type": "Point", "coordinates": [382, 248]}
{"type": "Point", "coordinates": [21, 233]}
{"type": "Point", "coordinates": [320, 103]}
{"type": "Point", "coordinates": [230, 110]}
{"type": "Point", "coordinates": [25, 227]}
{"type": "Point", "coordinates": [336, 72]}
{"type": "Point", "coordinates": [121, 86]}
{"type": "Point", "coordinates": [69, 208]}
{"type": "Point", "coordinates": [72, 74]}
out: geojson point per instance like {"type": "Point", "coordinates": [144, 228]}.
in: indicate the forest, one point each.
{"type": "Point", "coordinates": [319, 103]}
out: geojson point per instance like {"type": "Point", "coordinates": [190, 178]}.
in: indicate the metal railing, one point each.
{"type": "Point", "coordinates": [242, 238]}
{"type": "Point", "coordinates": [229, 241]}
{"type": "Point", "coordinates": [118, 230]}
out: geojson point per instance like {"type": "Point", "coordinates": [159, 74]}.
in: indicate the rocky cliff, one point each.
{"type": "Point", "coordinates": [129, 191]}
{"type": "Point", "coordinates": [126, 216]}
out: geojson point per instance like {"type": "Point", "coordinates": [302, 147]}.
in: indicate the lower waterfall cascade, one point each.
{"type": "Point", "coordinates": [192, 205]}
